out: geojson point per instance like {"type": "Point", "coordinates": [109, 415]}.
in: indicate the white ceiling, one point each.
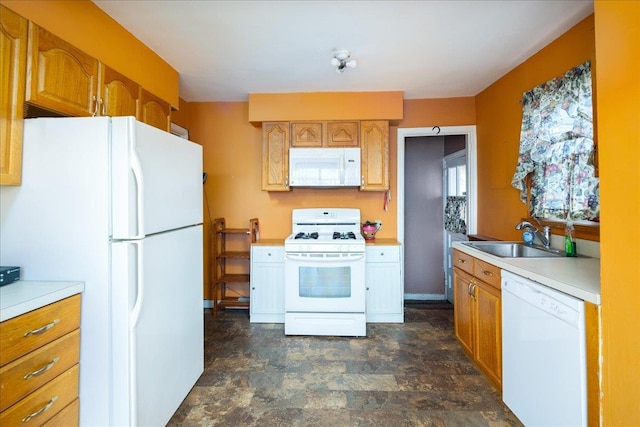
{"type": "Point", "coordinates": [225, 50]}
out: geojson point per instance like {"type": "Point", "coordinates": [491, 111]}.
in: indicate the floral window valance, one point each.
{"type": "Point", "coordinates": [455, 212]}
{"type": "Point", "coordinates": [557, 149]}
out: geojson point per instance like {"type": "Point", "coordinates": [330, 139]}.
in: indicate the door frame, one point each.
{"type": "Point", "coordinates": [472, 182]}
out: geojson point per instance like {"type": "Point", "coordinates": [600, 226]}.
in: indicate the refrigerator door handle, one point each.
{"type": "Point", "coordinates": [134, 317]}
{"type": "Point", "coordinates": [136, 169]}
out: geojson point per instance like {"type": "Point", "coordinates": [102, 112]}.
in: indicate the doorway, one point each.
{"type": "Point", "coordinates": [405, 137]}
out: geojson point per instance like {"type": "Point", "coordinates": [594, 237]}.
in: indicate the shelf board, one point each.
{"type": "Point", "coordinates": [233, 231]}
{"type": "Point", "coordinates": [234, 254]}
{"type": "Point", "coordinates": [234, 278]}
{"type": "Point", "coordinates": [234, 302]}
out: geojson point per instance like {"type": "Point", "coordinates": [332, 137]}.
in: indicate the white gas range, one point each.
{"type": "Point", "coordinates": [324, 273]}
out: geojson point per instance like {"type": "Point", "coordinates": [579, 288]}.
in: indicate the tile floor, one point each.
{"type": "Point", "coordinates": [411, 374]}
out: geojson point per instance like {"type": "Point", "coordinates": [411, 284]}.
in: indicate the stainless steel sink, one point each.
{"type": "Point", "coordinates": [514, 250]}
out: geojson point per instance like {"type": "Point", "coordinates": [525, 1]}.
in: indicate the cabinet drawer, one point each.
{"type": "Point", "coordinates": [383, 253]}
{"type": "Point", "coordinates": [488, 273]}
{"type": "Point", "coordinates": [44, 403]}
{"type": "Point", "coordinates": [22, 334]}
{"type": "Point", "coordinates": [24, 375]}
{"type": "Point", "coordinates": [68, 417]}
{"type": "Point", "coordinates": [463, 261]}
{"type": "Point", "coordinates": [267, 253]}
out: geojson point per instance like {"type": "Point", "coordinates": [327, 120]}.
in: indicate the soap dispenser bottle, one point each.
{"type": "Point", "coordinates": [569, 242]}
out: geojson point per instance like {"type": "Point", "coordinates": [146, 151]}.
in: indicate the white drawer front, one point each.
{"type": "Point", "coordinates": [383, 253]}
{"type": "Point", "coordinates": [267, 253]}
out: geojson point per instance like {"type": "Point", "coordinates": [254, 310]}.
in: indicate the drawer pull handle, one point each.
{"type": "Point", "coordinates": [487, 273]}
{"type": "Point", "coordinates": [42, 370]}
{"type": "Point", "coordinates": [40, 411]}
{"type": "Point", "coordinates": [45, 328]}
{"type": "Point", "coordinates": [462, 261]}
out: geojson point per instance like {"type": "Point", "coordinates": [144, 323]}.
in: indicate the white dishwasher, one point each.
{"type": "Point", "coordinates": [543, 354]}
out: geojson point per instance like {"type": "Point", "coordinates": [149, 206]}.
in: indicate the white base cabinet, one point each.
{"type": "Point", "coordinates": [267, 284]}
{"type": "Point", "coordinates": [384, 289]}
{"type": "Point", "coordinates": [385, 294]}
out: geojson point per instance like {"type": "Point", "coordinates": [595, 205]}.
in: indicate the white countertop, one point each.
{"type": "Point", "coordinates": [24, 296]}
{"type": "Point", "coordinates": [579, 277]}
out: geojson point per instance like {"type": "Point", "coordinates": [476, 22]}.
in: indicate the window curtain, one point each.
{"type": "Point", "coordinates": [557, 148]}
{"type": "Point", "coordinates": [455, 212]}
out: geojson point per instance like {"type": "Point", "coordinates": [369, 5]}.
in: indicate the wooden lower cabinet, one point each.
{"type": "Point", "coordinates": [39, 366]}
{"type": "Point", "coordinates": [477, 314]}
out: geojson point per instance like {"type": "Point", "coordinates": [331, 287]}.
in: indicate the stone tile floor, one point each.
{"type": "Point", "coordinates": [411, 374]}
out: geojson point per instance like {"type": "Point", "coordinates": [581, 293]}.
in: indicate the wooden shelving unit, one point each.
{"type": "Point", "coordinates": [220, 255]}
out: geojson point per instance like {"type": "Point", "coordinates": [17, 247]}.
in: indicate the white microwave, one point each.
{"type": "Point", "coordinates": [324, 167]}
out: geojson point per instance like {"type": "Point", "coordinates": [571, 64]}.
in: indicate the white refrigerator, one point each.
{"type": "Point", "coordinates": [117, 204]}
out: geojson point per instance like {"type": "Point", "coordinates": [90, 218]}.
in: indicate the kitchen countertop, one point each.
{"type": "Point", "coordinates": [24, 296]}
{"type": "Point", "coordinates": [579, 277]}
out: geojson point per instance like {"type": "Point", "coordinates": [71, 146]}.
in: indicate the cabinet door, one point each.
{"type": "Point", "coordinates": [13, 54]}
{"type": "Point", "coordinates": [463, 309]}
{"type": "Point", "coordinates": [62, 78]}
{"type": "Point", "coordinates": [275, 156]}
{"type": "Point", "coordinates": [154, 111]}
{"type": "Point", "coordinates": [343, 134]}
{"type": "Point", "coordinates": [384, 293]}
{"type": "Point", "coordinates": [488, 331]}
{"type": "Point", "coordinates": [267, 288]}
{"type": "Point", "coordinates": [119, 95]}
{"type": "Point", "coordinates": [374, 142]}
{"type": "Point", "coordinates": [306, 134]}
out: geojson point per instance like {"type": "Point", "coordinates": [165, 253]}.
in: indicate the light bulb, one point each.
{"type": "Point", "coordinates": [335, 62]}
{"type": "Point", "coordinates": [352, 63]}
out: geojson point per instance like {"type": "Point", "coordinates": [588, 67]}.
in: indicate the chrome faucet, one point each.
{"type": "Point", "coordinates": [544, 236]}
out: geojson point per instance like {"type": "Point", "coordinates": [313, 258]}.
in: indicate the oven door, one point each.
{"type": "Point", "coordinates": [324, 282]}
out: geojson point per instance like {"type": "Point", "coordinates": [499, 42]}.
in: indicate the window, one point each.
{"type": "Point", "coordinates": [557, 149]}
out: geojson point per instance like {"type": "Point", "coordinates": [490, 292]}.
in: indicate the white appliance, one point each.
{"type": "Point", "coordinates": [543, 353]}
{"type": "Point", "coordinates": [117, 204]}
{"type": "Point", "coordinates": [324, 274]}
{"type": "Point", "coordinates": [324, 167]}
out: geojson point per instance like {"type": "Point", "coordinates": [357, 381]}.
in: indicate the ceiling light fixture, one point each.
{"type": "Point", "coordinates": [342, 59]}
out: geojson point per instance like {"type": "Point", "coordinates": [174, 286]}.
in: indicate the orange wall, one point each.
{"type": "Point", "coordinates": [233, 161]}
{"type": "Point", "coordinates": [271, 107]}
{"type": "Point", "coordinates": [499, 116]}
{"type": "Point", "coordinates": [88, 28]}
{"type": "Point", "coordinates": [617, 40]}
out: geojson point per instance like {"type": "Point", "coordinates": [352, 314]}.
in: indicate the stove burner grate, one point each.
{"type": "Point", "coordinates": [344, 236]}
{"type": "Point", "coordinates": [301, 235]}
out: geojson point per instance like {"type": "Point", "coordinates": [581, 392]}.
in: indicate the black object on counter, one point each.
{"type": "Point", "coordinates": [8, 275]}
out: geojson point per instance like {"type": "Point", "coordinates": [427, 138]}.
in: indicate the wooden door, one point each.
{"type": "Point", "coordinates": [306, 134]}
{"type": "Point", "coordinates": [154, 111]}
{"type": "Point", "coordinates": [488, 331]}
{"type": "Point", "coordinates": [463, 309]}
{"type": "Point", "coordinates": [275, 156]}
{"type": "Point", "coordinates": [374, 142]}
{"type": "Point", "coordinates": [62, 77]}
{"type": "Point", "coordinates": [119, 95]}
{"type": "Point", "coordinates": [13, 54]}
{"type": "Point", "coordinates": [343, 134]}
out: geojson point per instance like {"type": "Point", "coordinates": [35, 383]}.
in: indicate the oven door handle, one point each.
{"type": "Point", "coordinates": [324, 257]}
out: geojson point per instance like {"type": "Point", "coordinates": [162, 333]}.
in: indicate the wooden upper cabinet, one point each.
{"type": "Point", "coordinates": [61, 78]}
{"type": "Point", "coordinates": [275, 156]}
{"type": "Point", "coordinates": [306, 134]}
{"type": "Point", "coordinates": [343, 134]}
{"type": "Point", "coordinates": [154, 111]}
{"type": "Point", "coordinates": [119, 95]}
{"type": "Point", "coordinates": [325, 134]}
{"type": "Point", "coordinates": [13, 57]}
{"type": "Point", "coordinates": [374, 143]}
